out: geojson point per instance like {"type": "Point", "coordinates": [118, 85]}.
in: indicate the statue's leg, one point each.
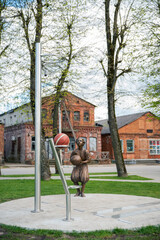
{"type": "Point", "coordinates": [75, 179]}
{"type": "Point", "coordinates": [82, 190]}
{"type": "Point", "coordinates": [78, 190]}
{"type": "Point", "coordinates": [84, 177]}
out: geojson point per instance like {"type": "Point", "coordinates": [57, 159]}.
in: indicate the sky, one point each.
{"type": "Point", "coordinates": [91, 85]}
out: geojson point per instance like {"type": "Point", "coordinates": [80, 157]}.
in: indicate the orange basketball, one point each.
{"type": "Point", "coordinates": [75, 159]}
{"type": "Point", "coordinates": [61, 139]}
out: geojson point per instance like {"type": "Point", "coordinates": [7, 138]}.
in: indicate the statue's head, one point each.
{"type": "Point", "coordinates": [80, 142]}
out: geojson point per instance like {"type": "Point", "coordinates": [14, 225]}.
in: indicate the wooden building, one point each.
{"type": "Point", "coordinates": [139, 135]}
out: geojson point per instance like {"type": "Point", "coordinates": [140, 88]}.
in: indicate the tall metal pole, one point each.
{"type": "Point", "coordinates": [60, 129]}
{"type": "Point", "coordinates": [37, 202]}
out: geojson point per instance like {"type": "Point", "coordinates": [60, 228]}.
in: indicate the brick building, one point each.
{"type": "Point", "coordinates": [19, 131]}
{"type": "Point", "coordinates": [139, 135]}
{"type": "Point", "coordinates": [1, 142]}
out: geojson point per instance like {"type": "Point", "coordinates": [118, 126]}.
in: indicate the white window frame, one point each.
{"type": "Point", "coordinates": [132, 144]}
{"type": "Point", "coordinates": [86, 116]}
{"type": "Point", "coordinates": [154, 149]}
{"type": "Point", "coordinates": [77, 116]}
{"type": "Point", "coordinates": [93, 146]}
{"type": "Point", "coordinates": [122, 147]}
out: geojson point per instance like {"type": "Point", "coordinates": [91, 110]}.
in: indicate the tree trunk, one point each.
{"type": "Point", "coordinates": [32, 84]}
{"type": "Point", "coordinates": [121, 169]}
{"type": "Point", "coordinates": [55, 128]}
{"type": "Point", "coordinates": [55, 118]}
{"type": "Point", "coordinates": [45, 169]}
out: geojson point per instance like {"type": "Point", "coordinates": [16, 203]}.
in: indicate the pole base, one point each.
{"type": "Point", "coordinates": [68, 220]}
{"type": "Point", "coordinates": [37, 211]}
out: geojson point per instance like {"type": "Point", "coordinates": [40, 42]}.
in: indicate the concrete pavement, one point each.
{"type": "Point", "coordinates": [94, 212]}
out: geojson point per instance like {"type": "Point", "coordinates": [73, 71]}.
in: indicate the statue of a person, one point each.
{"type": "Point", "coordinates": [80, 157]}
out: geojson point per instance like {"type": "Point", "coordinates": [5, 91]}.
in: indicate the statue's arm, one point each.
{"type": "Point", "coordinates": [88, 158]}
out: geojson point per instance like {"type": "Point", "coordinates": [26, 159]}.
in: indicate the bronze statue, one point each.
{"type": "Point", "coordinates": [80, 157]}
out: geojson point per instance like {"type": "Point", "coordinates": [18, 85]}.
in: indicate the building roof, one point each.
{"type": "Point", "coordinates": [121, 121]}
{"type": "Point", "coordinates": [43, 99]}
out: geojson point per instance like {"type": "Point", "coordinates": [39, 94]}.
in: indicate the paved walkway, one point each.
{"type": "Point", "coordinates": [94, 212]}
{"type": "Point", "coordinates": [149, 171]}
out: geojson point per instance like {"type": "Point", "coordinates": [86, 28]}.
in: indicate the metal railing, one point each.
{"type": "Point", "coordinates": [64, 182]}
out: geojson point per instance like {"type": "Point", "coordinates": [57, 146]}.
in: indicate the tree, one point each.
{"type": "Point", "coordinates": [69, 13]}
{"type": "Point", "coordinates": [28, 14]}
{"type": "Point", "coordinates": [67, 51]}
{"type": "Point", "coordinates": [60, 28]}
{"type": "Point", "coordinates": [116, 31]}
{"type": "Point", "coordinates": [150, 24]}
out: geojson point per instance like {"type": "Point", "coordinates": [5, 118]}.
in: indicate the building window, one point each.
{"type": "Point", "coordinates": [93, 144]}
{"type": "Point", "coordinates": [33, 144]}
{"type": "Point", "coordinates": [149, 131]}
{"type": "Point", "coordinates": [85, 145]}
{"type": "Point", "coordinates": [44, 113]}
{"type": "Point", "coordinates": [130, 145]}
{"type": "Point", "coordinates": [48, 149]}
{"type": "Point", "coordinates": [71, 144]}
{"type": "Point", "coordinates": [76, 116]}
{"type": "Point", "coordinates": [64, 116]}
{"type": "Point", "coordinates": [122, 145]}
{"type": "Point", "coordinates": [154, 147]}
{"type": "Point", "coordinates": [86, 116]}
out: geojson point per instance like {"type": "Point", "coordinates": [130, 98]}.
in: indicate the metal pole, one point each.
{"type": "Point", "coordinates": [60, 129]}
{"type": "Point", "coordinates": [37, 202]}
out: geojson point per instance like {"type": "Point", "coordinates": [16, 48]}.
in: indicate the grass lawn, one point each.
{"type": "Point", "coordinates": [66, 174]}
{"type": "Point", "coordinates": [16, 233]}
{"type": "Point", "coordinates": [14, 189]}
{"type": "Point", "coordinates": [25, 188]}
{"type": "Point", "coordinates": [130, 177]}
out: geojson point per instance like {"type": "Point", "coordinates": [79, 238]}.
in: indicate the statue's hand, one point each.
{"type": "Point", "coordinates": [86, 161]}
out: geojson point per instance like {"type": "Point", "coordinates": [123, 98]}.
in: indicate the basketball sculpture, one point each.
{"type": "Point", "coordinates": [80, 157]}
{"type": "Point", "coordinates": [76, 160]}
{"type": "Point", "coordinates": [61, 139]}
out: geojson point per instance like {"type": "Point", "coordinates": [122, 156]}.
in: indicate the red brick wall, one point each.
{"type": "Point", "coordinates": [15, 143]}
{"type": "Point", "coordinates": [136, 131]}
{"type": "Point", "coordinates": [79, 132]}
{"type": "Point", "coordinates": [82, 128]}
{"type": "Point", "coordinates": [1, 141]}
{"type": "Point", "coordinates": [107, 145]}
{"type": "Point", "coordinates": [72, 103]}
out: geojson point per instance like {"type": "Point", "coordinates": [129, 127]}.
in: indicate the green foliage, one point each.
{"type": "Point", "coordinates": [151, 97]}
{"type": "Point", "coordinates": [147, 16]}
